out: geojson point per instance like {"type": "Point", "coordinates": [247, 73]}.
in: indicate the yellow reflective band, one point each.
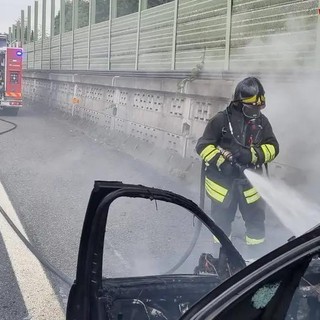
{"type": "Point", "coordinates": [269, 152]}
{"type": "Point", "coordinates": [254, 157]}
{"type": "Point", "coordinates": [216, 187]}
{"type": "Point", "coordinates": [220, 161]}
{"type": "Point", "coordinates": [251, 195]}
{"type": "Point", "coordinates": [252, 242]}
{"type": "Point", "coordinates": [209, 152]}
{"type": "Point", "coordinates": [253, 198]}
{"type": "Point", "coordinates": [215, 191]}
{"type": "Point", "coordinates": [215, 195]}
{"type": "Point", "coordinates": [250, 192]}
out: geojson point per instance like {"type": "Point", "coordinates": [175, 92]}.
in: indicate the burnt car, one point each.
{"type": "Point", "coordinates": [284, 284]}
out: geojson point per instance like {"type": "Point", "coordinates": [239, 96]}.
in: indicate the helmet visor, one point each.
{"type": "Point", "coordinates": [251, 107]}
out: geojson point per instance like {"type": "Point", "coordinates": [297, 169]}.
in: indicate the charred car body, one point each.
{"type": "Point", "coordinates": [282, 285]}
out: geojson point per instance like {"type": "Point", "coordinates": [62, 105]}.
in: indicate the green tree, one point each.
{"type": "Point", "coordinates": [102, 10]}
{"type": "Point", "coordinates": [25, 35]}
{"type": "Point", "coordinates": [68, 15]}
{"type": "Point", "coordinates": [154, 3]}
{"type": "Point", "coordinates": [56, 24]}
{"type": "Point", "coordinates": [83, 16]}
{"type": "Point", "coordinates": [125, 7]}
{"type": "Point", "coordinates": [83, 13]}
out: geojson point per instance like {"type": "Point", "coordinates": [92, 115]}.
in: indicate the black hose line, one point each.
{"type": "Point", "coordinates": [36, 253]}
{"type": "Point", "coordinates": [198, 225]}
{"type": "Point", "coordinates": [14, 126]}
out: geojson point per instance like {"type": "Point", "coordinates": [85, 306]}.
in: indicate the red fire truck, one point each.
{"type": "Point", "coordinates": [10, 79]}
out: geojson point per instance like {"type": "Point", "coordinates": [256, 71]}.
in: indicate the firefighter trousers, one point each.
{"type": "Point", "coordinates": [253, 215]}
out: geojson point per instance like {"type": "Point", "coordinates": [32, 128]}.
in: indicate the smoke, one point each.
{"type": "Point", "coordinates": [295, 211]}
{"type": "Point", "coordinates": [288, 46]}
{"type": "Point", "coordinates": [293, 112]}
{"type": "Point", "coordinates": [289, 59]}
{"type": "Point", "coordinates": [285, 62]}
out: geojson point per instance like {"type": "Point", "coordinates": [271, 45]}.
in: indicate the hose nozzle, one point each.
{"type": "Point", "coordinates": [226, 154]}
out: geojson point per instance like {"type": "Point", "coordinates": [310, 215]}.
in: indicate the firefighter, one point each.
{"type": "Point", "coordinates": [240, 135]}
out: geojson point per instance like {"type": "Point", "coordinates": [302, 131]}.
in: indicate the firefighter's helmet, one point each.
{"type": "Point", "coordinates": [250, 94]}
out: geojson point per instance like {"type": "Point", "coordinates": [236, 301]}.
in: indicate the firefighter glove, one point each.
{"type": "Point", "coordinates": [243, 156]}
{"type": "Point", "coordinates": [227, 168]}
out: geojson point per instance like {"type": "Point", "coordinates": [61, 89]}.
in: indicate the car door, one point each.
{"type": "Point", "coordinates": [164, 296]}
{"type": "Point", "coordinates": [285, 284]}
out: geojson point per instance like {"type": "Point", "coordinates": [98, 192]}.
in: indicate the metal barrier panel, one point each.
{"type": "Point", "coordinates": [25, 56]}
{"type": "Point", "coordinates": [123, 42]}
{"type": "Point", "coordinates": [37, 55]}
{"type": "Point", "coordinates": [30, 55]}
{"type": "Point", "coordinates": [201, 28]}
{"type": "Point", "coordinates": [80, 52]}
{"type": "Point", "coordinates": [46, 54]}
{"type": "Point", "coordinates": [99, 42]}
{"type": "Point", "coordinates": [273, 34]}
{"type": "Point", "coordinates": [66, 51]}
{"type": "Point", "coordinates": [224, 34]}
{"type": "Point", "coordinates": [55, 52]}
{"type": "Point", "coordinates": [156, 33]}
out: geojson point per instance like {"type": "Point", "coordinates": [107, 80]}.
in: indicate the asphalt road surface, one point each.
{"type": "Point", "coordinates": [48, 168]}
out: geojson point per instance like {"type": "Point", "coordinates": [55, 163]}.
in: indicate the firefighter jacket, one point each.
{"type": "Point", "coordinates": [229, 129]}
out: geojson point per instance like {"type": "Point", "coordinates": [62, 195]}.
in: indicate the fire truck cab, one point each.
{"type": "Point", "coordinates": [10, 78]}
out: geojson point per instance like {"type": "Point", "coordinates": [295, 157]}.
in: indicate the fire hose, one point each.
{"type": "Point", "coordinates": [228, 156]}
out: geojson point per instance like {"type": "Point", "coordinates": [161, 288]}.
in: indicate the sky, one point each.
{"type": "Point", "coordinates": [11, 11]}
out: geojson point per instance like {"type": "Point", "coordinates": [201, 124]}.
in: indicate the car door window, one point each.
{"type": "Point", "coordinates": [293, 293]}
{"type": "Point", "coordinates": [146, 238]}
{"type": "Point", "coordinates": [143, 242]}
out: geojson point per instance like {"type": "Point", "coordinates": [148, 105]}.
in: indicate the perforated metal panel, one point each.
{"type": "Point", "coordinates": [173, 142]}
{"type": "Point", "coordinates": [66, 51]}
{"type": "Point", "coordinates": [202, 110]}
{"type": "Point", "coordinates": [164, 120]}
{"type": "Point", "coordinates": [177, 106]}
{"type": "Point", "coordinates": [156, 33]}
{"type": "Point", "coordinates": [30, 55]}
{"type": "Point", "coordinates": [46, 54]}
{"type": "Point", "coordinates": [120, 125]}
{"type": "Point", "coordinates": [99, 46]}
{"type": "Point", "coordinates": [201, 26]}
{"type": "Point", "coordinates": [55, 52]}
{"type": "Point", "coordinates": [123, 42]}
{"type": "Point", "coordinates": [279, 34]}
{"type": "Point", "coordinates": [144, 132]}
{"type": "Point", "coordinates": [148, 101]}
{"type": "Point", "coordinates": [273, 34]}
{"type": "Point", "coordinates": [37, 55]}
{"type": "Point", "coordinates": [81, 48]}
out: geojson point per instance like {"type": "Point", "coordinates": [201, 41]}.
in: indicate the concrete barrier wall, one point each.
{"type": "Point", "coordinates": [166, 119]}
{"type": "Point", "coordinates": [146, 118]}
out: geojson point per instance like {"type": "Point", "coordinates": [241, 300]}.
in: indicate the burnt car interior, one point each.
{"type": "Point", "coordinates": [283, 285]}
{"type": "Point", "coordinates": [164, 296]}
{"type": "Point", "coordinates": [292, 294]}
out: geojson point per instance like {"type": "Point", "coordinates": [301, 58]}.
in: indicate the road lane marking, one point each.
{"type": "Point", "coordinates": [36, 290]}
